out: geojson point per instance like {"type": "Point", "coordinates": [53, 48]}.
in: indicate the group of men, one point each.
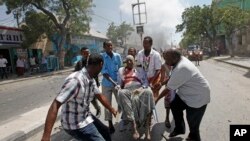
{"type": "Point", "coordinates": [135, 86]}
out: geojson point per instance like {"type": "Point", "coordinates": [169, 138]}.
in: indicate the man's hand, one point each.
{"type": "Point", "coordinates": [138, 91]}
{"type": "Point", "coordinates": [114, 112]}
{"type": "Point", "coordinates": [157, 86]}
{"type": "Point", "coordinates": [156, 99]}
{"type": "Point", "coordinates": [117, 87]}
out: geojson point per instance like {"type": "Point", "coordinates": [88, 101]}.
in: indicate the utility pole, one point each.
{"type": "Point", "coordinates": [171, 40]}
{"type": "Point", "coordinates": [139, 14]}
{"type": "Point", "coordinates": [17, 15]}
{"type": "Point", "coordinates": [121, 16]}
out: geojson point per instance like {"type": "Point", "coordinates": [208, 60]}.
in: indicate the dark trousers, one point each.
{"type": "Point", "coordinates": [3, 72]}
{"type": "Point", "coordinates": [193, 115]}
{"type": "Point", "coordinates": [95, 131]}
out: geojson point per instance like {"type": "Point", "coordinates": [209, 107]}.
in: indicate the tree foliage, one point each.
{"type": "Point", "coordinates": [199, 22]}
{"type": "Point", "coordinates": [121, 32]}
{"type": "Point", "coordinates": [189, 39]}
{"type": "Point", "coordinates": [232, 20]}
{"type": "Point", "coordinates": [67, 16]}
{"type": "Point", "coordinates": [37, 26]}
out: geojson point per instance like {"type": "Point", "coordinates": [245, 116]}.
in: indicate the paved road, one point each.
{"type": "Point", "coordinates": [20, 97]}
{"type": "Point", "coordinates": [230, 102]}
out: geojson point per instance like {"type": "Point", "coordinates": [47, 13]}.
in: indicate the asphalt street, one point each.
{"type": "Point", "coordinates": [23, 96]}
{"type": "Point", "coordinates": [229, 105]}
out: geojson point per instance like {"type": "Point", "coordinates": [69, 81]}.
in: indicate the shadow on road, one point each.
{"type": "Point", "coordinates": [62, 136]}
{"type": "Point", "coordinates": [247, 74]}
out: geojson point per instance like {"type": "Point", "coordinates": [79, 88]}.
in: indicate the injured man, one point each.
{"type": "Point", "coordinates": [134, 98]}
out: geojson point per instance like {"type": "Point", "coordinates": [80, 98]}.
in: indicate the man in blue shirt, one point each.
{"type": "Point", "coordinates": [112, 63]}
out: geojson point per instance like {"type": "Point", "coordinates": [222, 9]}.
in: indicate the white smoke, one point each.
{"type": "Point", "coordinates": [162, 15]}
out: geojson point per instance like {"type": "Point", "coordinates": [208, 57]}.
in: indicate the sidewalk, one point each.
{"type": "Point", "coordinates": [30, 123]}
{"type": "Point", "coordinates": [243, 62]}
{"type": "Point", "coordinates": [13, 78]}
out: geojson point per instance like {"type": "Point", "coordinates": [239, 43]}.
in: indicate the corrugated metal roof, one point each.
{"type": "Point", "coordinates": [94, 33]}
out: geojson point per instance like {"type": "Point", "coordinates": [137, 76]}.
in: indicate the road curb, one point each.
{"type": "Point", "coordinates": [38, 76]}
{"type": "Point", "coordinates": [234, 64]}
{"type": "Point", "coordinates": [24, 135]}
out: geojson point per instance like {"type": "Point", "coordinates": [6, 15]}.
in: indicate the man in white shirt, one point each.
{"type": "Point", "coordinates": [149, 62]}
{"type": "Point", "coordinates": [193, 94]}
{"type": "Point", "coordinates": [3, 63]}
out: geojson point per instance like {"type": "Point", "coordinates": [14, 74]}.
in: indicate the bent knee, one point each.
{"type": "Point", "coordinates": [123, 93]}
{"type": "Point", "coordinates": [148, 91]}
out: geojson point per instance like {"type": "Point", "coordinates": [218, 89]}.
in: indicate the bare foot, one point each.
{"type": "Point", "coordinates": [148, 137]}
{"type": "Point", "coordinates": [136, 135]}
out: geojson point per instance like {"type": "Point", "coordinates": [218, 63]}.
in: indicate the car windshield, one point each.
{"type": "Point", "coordinates": [191, 48]}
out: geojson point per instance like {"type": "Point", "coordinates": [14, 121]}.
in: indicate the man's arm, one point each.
{"type": "Point", "coordinates": [153, 82]}
{"type": "Point", "coordinates": [109, 79]}
{"type": "Point", "coordinates": [155, 77]}
{"type": "Point", "coordinates": [77, 66]}
{"type": "Point", "coordinates": [106, 104]}
{"type": "Point", "coordinates": [50, 120]}
{"type": "Point", "coordinates": [162, 94]}
{"type": "Point", "coordinates": [69, 89]}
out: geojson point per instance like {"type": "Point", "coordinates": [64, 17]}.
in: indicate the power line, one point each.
{"type": "Point", "coordinates": [8, 23]}
{"type": "Point", "coordinates": [5, 19]}
{"type": "Point", "coordinates": [106, 19]}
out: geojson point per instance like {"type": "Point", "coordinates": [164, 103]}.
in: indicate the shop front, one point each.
{"type": "Point", "coordinates": [10, 46]}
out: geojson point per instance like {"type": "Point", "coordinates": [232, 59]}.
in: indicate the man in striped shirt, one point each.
{"type": "Point", "coordinates": [78, 91]}
{"type": "Point", "coordinates": [79, 65]}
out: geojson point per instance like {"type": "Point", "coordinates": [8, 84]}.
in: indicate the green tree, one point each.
{"type": "Point", "coordinates": [121, 33]}
{"type": "Point", "coordinates": [199, 22]}
{"type": "Point", "coordinates": [189, 39]}
{"type": "Point", "coordinates": [232, 20]}
{"type": "Point", "coordinates": [67, 16]}
{"type": "Point", "coordinates": [112, 33]}
{"type": "Point", "coordinates": [37, 26]}
{"type": "Point", "coordinates": [124, 31]}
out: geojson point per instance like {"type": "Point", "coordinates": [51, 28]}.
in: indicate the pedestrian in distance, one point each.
{"type": "Point", "coordinates": [44, 63]}
{"type": "Point", "coordinates": [193, 94]}
{"type": "Point", "coordinates": [3, 66]}
{"type": "Point", "coordinates": [20, 66]}
{"type": "Point", "coordinates": [79, 65]}
{"type": "Point", "coordinates": [77, 92]}
{"type": "Point", "coordinates": [112, 63]}
{"type": "Point", "coordinates": [197, 56]}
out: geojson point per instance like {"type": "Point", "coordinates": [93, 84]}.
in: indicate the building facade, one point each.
{"type": "Point", "coordinates": [241, 38]}
{"type": "Point", "coordinates": [10, 45]}
{"type": "Point", "coordinates": [93, 40]}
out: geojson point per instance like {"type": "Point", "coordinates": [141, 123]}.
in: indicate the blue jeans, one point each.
{"type": "Point", "coordinates": [95, 131]}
